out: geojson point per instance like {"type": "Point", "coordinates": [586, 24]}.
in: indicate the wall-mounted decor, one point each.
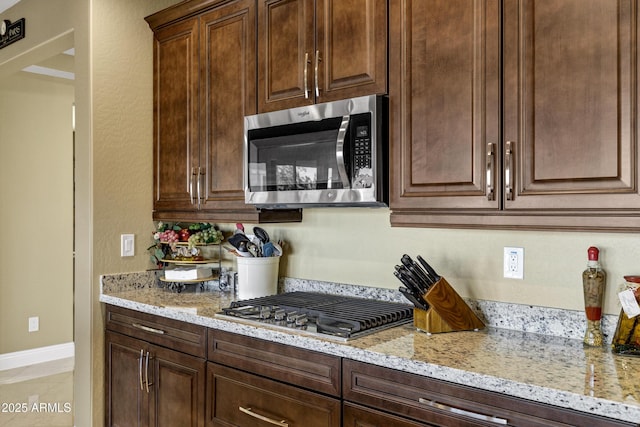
{"type": "Point", "coordinates": [11, 32]}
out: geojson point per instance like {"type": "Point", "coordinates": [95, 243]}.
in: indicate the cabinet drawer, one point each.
{"type": "Point", "coordinates": [181, 336]}
{"type": "Point", "coordinates": [236, 398]}
{"type": "Point", "coordinates": [315, 371]}
{"type": "Point", "coordinates": [441, 403]}
{"type": "Point", "coordinates": [358, 416]}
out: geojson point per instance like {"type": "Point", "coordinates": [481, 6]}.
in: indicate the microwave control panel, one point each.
{"type": "Point", "coordinates": [362, 153]}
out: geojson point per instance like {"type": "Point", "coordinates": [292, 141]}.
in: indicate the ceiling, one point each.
{"type": "Point", "coordinates": [60, 66]}
{"type": "Point", "coordinates": [6, 4]}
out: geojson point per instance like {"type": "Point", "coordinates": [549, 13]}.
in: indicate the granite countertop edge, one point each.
{"type": "Point", "coordinates": [548, 395]}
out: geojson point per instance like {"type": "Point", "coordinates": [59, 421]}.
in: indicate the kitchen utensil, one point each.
{"type": "Point", "coordinates": [231, 250]}
{"type": "Point", "coordinates": [411, 297]}
{"type": "Point", "coordinates": [243, 248]}
{"type": "Point", "coordinates": [254, 249]}
{"type": "Point", "coordinates": [261, 234]}
{"type": "Point", "coordinates": [418, 272]}
{"type": "Point", "coordinates": [411, 280]}
{"type": "Point", "coordinates": [268, 249]}
{"type": "Point", "coordinates": [236, 239]}
{"type": "Point", "coordinates": [429, 269]}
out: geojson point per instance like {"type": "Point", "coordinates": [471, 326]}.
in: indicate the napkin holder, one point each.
{"type": "Point", "coordinates": [447, 312]}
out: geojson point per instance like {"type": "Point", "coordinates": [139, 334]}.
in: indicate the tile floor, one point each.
{"type": "Point", "coordinates": [37, 395]}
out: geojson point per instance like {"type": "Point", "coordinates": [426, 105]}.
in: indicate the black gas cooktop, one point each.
{"type": "Point", "coordinates": [330, 316]}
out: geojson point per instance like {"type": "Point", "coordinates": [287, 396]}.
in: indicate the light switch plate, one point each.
{"type": "Point", "coordinates": [514, 263]}
{"type": "Point", "coordinates": [127, 245]}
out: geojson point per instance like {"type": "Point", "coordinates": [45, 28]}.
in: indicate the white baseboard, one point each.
{"type": "Point", "coordinates": [50, 353]}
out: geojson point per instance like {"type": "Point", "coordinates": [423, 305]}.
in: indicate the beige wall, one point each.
{"type": "Point", "coordinates": [36, 189]}
{"type": "Point", "coordinates": [122, 119]}
{"type": "Point", "coordinates": [358, 246]}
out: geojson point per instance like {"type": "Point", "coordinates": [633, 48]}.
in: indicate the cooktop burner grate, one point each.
{"type": "Point", "coordinates": [332, 316]}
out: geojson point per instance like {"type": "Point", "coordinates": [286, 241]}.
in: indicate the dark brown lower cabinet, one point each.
{"type": "Point", "coordinates": [157, 375]}
{"type": "Point", "coordinates": [154, 386]}
{"type": "Point", "coordinates": [419, 399]}
{"type": "Point", "coordinates": [148, 381]}
{"type": "Point", "coordinates": [240, 399]}
{"type": "Point", "coordinates": [258, 383]}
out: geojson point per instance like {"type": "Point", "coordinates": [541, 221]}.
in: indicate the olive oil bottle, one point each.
{"type": "Point", "coordinates": [593, 283]}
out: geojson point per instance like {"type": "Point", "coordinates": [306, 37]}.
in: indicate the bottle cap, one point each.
{"type": "Point", "coordinates": [593, 253]}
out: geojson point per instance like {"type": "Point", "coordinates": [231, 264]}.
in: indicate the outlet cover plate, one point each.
{"type": "Point", "coordinates": [34, 324]}
{"type": "Point", "coordinates": [514, 263]}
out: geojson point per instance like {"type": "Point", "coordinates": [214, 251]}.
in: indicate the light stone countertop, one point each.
{"type": "Point", "coordinates": [543, 368]}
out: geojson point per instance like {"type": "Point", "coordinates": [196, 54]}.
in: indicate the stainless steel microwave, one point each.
{"type": "Point", "coordinates": [330, 154]}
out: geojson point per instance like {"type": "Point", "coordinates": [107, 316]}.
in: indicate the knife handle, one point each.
{"type": "Point", "coordinates": [416, 302]}
{"type": "Point", "coordinates": [429, 269]}
{"type": "Point", "coordinates": [414, 282]}
{"type": "Point", "coordinates": [417, 271]}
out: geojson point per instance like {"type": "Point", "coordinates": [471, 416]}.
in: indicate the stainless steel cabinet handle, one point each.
{"type": "Point", "coordinates": [306, 75]}
{"type": "Point", "coordinates": [342, 171]}
{"type": "Point", "coordinates": [193, 176]}
{"type": "Point", "coordinates": [490, 171]}
{"type": "Point", "coordinates": [201, 172]}
{"type": "Point", "coordinates": [148, 329]}
{"type": "Point", "coordinates": [140, 369]}
{"type": "Point", "coordinates": [508, 170]}
{"type": "Point", "coordinates": [458, 411]}
{"type": "Point", "coordinates": [250, 412]}
{"type": "Point", "coordinates": [146, 372]}
{"type": "Point", "coordinates": [316, 73]}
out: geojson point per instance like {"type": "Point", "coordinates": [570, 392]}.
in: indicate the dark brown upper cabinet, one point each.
{"type": "Point", "coordinates": [514, 114]}
{"type": "Point", "coordinates": [204, 85]}
{"type": "Point", "coordinates": [312, 51]}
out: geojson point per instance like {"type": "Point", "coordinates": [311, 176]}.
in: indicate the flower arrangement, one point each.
{"type": "Point", "coordinates": [168, 237]}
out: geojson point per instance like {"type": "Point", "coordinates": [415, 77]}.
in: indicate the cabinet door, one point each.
{"type": "Point", "coordinates": [228, 58]}
{"type": "Point", "coordinates": [176, 397]}
{"type": "Point", "coordinates": [351, 49]}
{"type": "Point", "coordinates": [286, 47]}
{"type": "Point", "coordinates": [240, 399]}
{"type": "Point", "coordinates": [175, 148]}
{"type": "Point", "coordinates": [444, 105]}
{"type": "Point", "coordinates": [570, 104]}
{"type": "Point", "coordinates": [125, 400]}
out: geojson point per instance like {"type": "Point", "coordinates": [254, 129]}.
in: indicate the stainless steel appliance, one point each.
{"type": "Point", "coordinates": [335, 317]}
{"type": "Point", "coordinates": [330, 154]}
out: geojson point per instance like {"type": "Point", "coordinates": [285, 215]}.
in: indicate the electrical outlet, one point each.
{"type": "Point", "coordinates": [514, 263]}
{"type": "Point", "coordinates": [34, 324]}
{"type": "Point", "coordinates": [127, 245]}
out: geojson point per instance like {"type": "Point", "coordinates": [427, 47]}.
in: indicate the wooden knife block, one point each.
{"type": "Point", "coordinates": [447, 311]}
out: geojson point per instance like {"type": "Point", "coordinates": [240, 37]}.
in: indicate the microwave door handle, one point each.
{"type": "Point", "coordinates": [342, 132]}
